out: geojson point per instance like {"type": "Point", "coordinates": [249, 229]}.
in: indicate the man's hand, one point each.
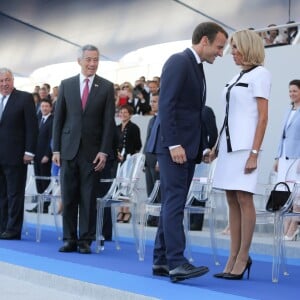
{"type": "Point", "coordinates": [99, 161]}
{"type": "Point", "coordinates": [45, 159]}
{"type": "Point", "coordinates": [178, 155]}
{"type": "Point", "coordinates": [27, 159]}
{"type": "Point", "coordinates": [56, 159]}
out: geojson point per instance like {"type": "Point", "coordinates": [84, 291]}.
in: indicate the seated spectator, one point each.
{"type": "Point", "coordinates": [273, 37]}
{"type": "Point", "coordinates": [129, 143]}
{"type": "Point", "coordinates": [125, 93]}
{"type": "Point", "coordinates": [153, 87]}
{"type": "Point", "coordinates": [291, 32]}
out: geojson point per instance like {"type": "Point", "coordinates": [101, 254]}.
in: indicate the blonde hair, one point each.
{"type": "Point", "coordinates": [251, 47]}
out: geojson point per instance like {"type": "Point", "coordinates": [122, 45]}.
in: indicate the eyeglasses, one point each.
{"type": "Point", "coordinates": [125, 87]}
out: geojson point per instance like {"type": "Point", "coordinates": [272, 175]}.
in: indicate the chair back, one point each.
{"type": "Point", "coordinates": [30, 189]}
{"type": "Point", "coordinates": [201, 184]}
{"type": "Point", "coordinates": [152, 197]}
{"type": "Point", "coordinates": [128, 177]}
{"type": "Point", "coordinates": [294, 200]}
{"type": "Point", "coordinates": [293, 172]}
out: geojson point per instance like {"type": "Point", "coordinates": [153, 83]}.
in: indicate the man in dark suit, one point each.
{"type": "Point", "coordinates": [43, 155]}
{"type": "Point", "coordinates": [82, 137]}
{"type": "Point", "coordinates": [176, 139]}
{"type": "Point", "coordinates": [151, 165]}
{"type": "Point", "coordinates": [18, 135]}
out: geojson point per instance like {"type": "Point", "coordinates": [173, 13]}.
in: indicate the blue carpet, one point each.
{"type": "Point", "coordinates": [122, 270]}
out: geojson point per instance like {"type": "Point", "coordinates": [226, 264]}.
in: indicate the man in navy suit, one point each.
{"type": "Point", "coordinates": [83, 129]}
{"type": "Point", "coordinates": [18, 135]}
{"type": "Point", "coordinates": [43, 155]}
{"type": "Point", "coordinates": [176, 139]}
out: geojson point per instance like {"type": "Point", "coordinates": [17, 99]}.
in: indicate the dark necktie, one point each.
{"type": "Point", "coordinates": [85, 93]}
{"type": "Point", "coordinates": [204, 82]}
{"type": "Point", "coordinates": [42, 121]}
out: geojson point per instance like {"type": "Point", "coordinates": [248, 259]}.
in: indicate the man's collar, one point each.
{"type": "Point", "coordinates": [198, 60]}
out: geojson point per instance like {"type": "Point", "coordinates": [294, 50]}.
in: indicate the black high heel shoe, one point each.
{"type": "Point", "coordinates": [231, 276]}
{"type": "Point", "coordinates": [221, 275]}
{"type": "Point", "coordinates": [126, 217]}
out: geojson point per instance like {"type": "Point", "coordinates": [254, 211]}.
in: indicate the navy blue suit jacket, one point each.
{"type": "Point", "coordinates": [180, 106]}
{"type": "Point", "coordinates": [43, 147]}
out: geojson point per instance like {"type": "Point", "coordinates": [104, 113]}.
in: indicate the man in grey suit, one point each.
{"type": "Point", "coordinates": [82, 138]}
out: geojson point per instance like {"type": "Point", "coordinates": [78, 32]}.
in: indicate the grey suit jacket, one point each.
{"type": "Point", "coordinates": [292, 137]}
{"type": "Point", "coordinates": [91, 128]}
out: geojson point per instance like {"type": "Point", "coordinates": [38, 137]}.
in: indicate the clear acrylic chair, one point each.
{"type": "Point", "coordinates": [201, 191]}
{"type": "Point", "coordinates": [51, 193]}
{"type": "Point", "coordinates": [124, 191]}
{"type": "Point", "coordinates": [264, 217]}
{"type": "Point", "coordinates": [290, 210]}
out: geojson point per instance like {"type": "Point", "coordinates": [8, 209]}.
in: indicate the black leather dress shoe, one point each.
{"type": "Point", "coordinates": [187, 271]}
{"type": "Point", "coordinates": [160, 270]}
{"type": "Point", "coordinates": [9, 236]}
{"type": "Point", "coordinates": [84, 248]}
{"type": "Point", "coordinates": [68, 247]}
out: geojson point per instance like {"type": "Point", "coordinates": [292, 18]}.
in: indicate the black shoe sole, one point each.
{"type": "Point", "coordinates": [176, 278]}
{"type": "Point", "coordinates": [160, 273]}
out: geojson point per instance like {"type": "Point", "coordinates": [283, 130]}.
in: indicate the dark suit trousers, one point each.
{"type": "Point", "coordinates": [170, 238]}
{"type": "Point", "coordinates": [79, 183]}
{"type": "Point", "coordinates": [12, 190]}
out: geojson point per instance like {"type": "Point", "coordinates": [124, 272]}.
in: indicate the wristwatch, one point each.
{"type": "Point", "coordinates": [253, 151]}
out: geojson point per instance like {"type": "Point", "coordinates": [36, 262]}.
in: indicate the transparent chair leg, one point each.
{"type": "Point", "coordinates": [135, 226]}
{"type": "Point", "coordinates": [99, 236]}
{"type": "Point", "coordinates": [142, 233]}
{"type": "Point", "coordinates": [186, 222]}
{"type": "Point", "coordinates": [282, 248]}
{"type": "Point", "coordinates": [114, 224]}
{"type": "Point", "coordinates": [56, 216]}
{"type": "Point", "coordinates": [283, 259]}
{"type": "Point", "coordinates": [212, 236]}
{"type": "Point", "coordinates": [25, 229]}
{"type": "Point", "coordinates": [140, 230]}
{"type": "Point", "coordinates": [276, 249]}
{"type": "Point", "coordinates": [40, 205]}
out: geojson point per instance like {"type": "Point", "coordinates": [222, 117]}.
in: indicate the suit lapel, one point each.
{"type": "Point", "coordinates": [295, 116]}
{"type": "Point", "coordinates": [9, 105]}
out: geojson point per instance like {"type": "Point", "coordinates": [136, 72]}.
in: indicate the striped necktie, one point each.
{"type": "Point", "coordinates": [2, 106]}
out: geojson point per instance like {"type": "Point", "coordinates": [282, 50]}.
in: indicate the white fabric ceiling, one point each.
{"type": "Point", "coordinates": [35, 33]}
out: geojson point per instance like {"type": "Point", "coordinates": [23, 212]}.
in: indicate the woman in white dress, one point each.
{"type": "Point", "coordinates": [289, 151]}
{"type": "Point", "coordinates": [246, 115]}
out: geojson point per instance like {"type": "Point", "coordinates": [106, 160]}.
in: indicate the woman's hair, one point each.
{"type": "Point", "coordinates": [295, 82]}
{"type": "Point", "coordinates": [128, 108]}
{"type": "Point", "coordinates": [251, 47]}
